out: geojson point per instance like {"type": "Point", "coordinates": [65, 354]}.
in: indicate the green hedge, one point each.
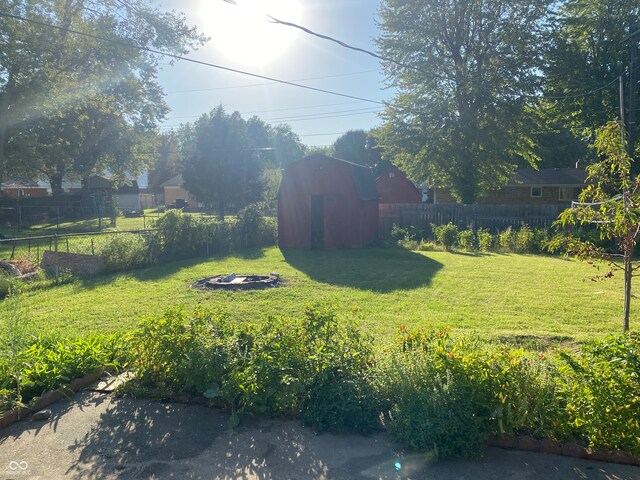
{"type": "Point", "coordinates": [432, 391]}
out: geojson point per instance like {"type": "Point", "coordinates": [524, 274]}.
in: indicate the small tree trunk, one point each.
{"type": "Point", "coordinates": [628, 275]}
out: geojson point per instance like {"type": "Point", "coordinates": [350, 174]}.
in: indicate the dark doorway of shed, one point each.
{"type": "Point", "coordinates": [317, 221]}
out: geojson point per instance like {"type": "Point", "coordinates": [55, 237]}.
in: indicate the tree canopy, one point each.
{"type": "Point", "coordinates": [462, 72]}
{"type": "Point", "coordinates": [78, 83]}
{"type": "Point", "coordinates": [360, 147]}
{"type": "Point", "coordinates": [222, 169]}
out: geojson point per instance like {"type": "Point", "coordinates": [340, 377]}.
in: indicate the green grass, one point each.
{"type": "Point", "coordinates": [528, 298]}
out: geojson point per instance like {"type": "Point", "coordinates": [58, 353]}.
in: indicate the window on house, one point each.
{"type": "Point", "coordinates": [536, 192]}
{"type": "Point", "coordinates": [569, 193]}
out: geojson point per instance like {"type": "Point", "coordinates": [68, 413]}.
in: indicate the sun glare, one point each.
{"type": "Point", "coordinates": [242, 31]}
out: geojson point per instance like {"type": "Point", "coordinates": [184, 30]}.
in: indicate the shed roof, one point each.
{"type": "Point", "coordinates": [362, 176]}
{"type": "Point", "coordinates": [550, 176]}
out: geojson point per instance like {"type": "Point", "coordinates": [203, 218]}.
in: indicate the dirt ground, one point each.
{"type": "Point", "coordinates": [96, 436]}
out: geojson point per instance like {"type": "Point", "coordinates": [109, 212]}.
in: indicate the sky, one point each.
{"type": "Point", "coordinates": [242, 38]}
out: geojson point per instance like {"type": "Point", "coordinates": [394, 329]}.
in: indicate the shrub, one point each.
{"type": "Point", "coordinates": [180, 235]}
{"type": "Point", "coordinates": [445, 395]}
{"type": "Point", "coordinates": [467, 240]}
{"type": "Point", "coordinates": [485, 240]}
{"type": "Point", "coordinates": [602, 392]}
{"type": "Point", "coordinates": [506, 240]}
{"type": "Point", "coordinates": [124, 251]}
{"type": "Point", "coordinates": [8, 284]}
{"type": "Point", "coordinates": [253, 228]}
{"type": "Point", "coordinates": [314, 367]}
{"type": "Point", "coordinates": [523, 240]}
{"type": "Point", "coordinates": [541, 238]}
{"type": "Point", "coordinates": [446, 235]}
{"type": "Point", "coordinates": [405, 237]}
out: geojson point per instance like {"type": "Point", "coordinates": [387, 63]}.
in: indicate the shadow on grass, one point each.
{"type": "Point", "coordinates": [376, 269]}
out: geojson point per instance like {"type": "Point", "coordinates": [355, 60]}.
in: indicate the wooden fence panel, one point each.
{"type": "Point", "coordinates": [491, 217]}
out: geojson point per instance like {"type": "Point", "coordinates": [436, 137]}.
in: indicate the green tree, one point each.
{"type": "Point", "coordinates": [461, 72]}
{"type": "Point", "coordinates": [587, 48]}
{"type": "Point", "coordinates": [51, 73]}
{"type": "Point", "coordinates": [360, 147]}
{"type": "Point", "coordinates": [610, 203]}
{"type": "Point", "coordinates": [168, 159]}
{"type": "Point", "coordinates": [221, 166]}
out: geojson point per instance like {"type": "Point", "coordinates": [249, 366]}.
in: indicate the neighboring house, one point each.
{"type": "Point", "coordinates": [19, 188]}
{"type": "Point", "coordinates": [394, 187]}
{"type": "Point", "coordinates": [325, 202]}
{"type": "Point", "coordinates": [547, 186]}
{"type": "Point", "coordinates": [173, 189]}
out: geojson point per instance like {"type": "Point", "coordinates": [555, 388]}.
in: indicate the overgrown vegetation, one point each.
{"type": "Point", "coordinates": [32, 364]}
{"type": "Point", "coordinates": [432, 391]}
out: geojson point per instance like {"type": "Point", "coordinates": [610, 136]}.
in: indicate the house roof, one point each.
{"type": "Point", "coordinates": [173, 182]}
{"type": "Point", "coordinates": [550, 176]}
{"type": "Point", "coordinates": [131, 188]}
{"type": "Point", "coordinates": [20, 183]}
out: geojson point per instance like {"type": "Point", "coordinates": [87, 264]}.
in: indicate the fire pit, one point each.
{"type": "Point", "coordinates": [238, 282]}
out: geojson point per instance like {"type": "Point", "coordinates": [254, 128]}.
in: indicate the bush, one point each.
{"type": "Point", "coordinates": [467, 240]}
{"type": "Point", "coordinates": [8, 284]}
{"type": "Point", "coordinates": [523, 240]}
{"type": "Point", "coordinates": [253, 228]}
{"type": "Point", "coordinates": [124, 251]}
{"type": "Point", "coordinates": [446, 235]}
{"type": "Point", "coordinates": [506, 240]}
{"type": "Point", "coordinates": [179, 235]}
{"type": "Point", "coordinates": [314, 367]}
{"type": "Point", "coordinates": [445, 395]}
{"type": "Point", "coordinates": [602, 390]}
{"type": "Point", "coordinates": [485, 240]}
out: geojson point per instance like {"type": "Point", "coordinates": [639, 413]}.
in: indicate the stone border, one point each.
{"type": "Point", "coordinates": [544, 445]}
{"type": "Point", "coordinates": [49, 398]}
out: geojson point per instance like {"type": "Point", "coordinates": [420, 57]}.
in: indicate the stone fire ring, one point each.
{"type": "Point", "coordinates": [238, 282]}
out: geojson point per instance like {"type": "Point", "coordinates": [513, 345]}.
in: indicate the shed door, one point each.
{"type": "Point", "coordinates": [317, 221]}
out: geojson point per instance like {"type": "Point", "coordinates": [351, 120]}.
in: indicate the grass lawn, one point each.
{"type": "Point", "coordinates": [532, 298]}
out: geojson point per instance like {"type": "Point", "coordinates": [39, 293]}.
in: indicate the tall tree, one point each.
{"type": "Point", "coordinates": [168, 159]}
{"type": "Point", "coordinates": [589, 49]}
{"type": "Point", "coordinates": [359, 147]}
{"type": "Point", "coordinates": [49, 69]}
{"type": "Point", "coordinates": [222, 169]}
{"type": "Point", "coordinates": [461, 70]}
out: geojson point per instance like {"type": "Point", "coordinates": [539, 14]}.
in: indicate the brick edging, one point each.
{"type": "Point", "coordinates": [544, 445]}
{"type": "Point", "coordinates": [49, 398]}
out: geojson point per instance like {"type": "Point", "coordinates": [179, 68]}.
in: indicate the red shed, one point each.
{"type": "Point", "coordinates": [394, 187]}
{"type": "Point", "coordinates": [325, 202]}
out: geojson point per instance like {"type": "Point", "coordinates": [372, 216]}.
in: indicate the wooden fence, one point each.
{"type": "Point", "coordinates": [491, 217]}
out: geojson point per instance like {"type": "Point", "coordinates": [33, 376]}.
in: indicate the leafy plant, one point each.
{"type": "Point", "coordinates": [602, 392]}
{"type": "Point", "coordinates": [446, 235]}
{"type": "Point", "coordinates": [485, 240]}
{"type": "Point", "coordinates": [524, 240]}
{"type": "Point", "coordinates": [124, 251]}
{"type": "Point", "coordinates": [506, 240]}
{"type": "Point", "coordinates": [467, 240]}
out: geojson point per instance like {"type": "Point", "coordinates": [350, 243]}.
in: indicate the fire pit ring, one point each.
{"type": "Point", "coordinates": [238, 282]}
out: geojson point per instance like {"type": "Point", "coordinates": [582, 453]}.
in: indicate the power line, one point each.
{"type": "Point", "coordinates": [300, 118]}
{"type": "Point", "coordinates": [186, 59]}
{"type": "Point", "coordinates": [411, 67]}
{"type": "Point", "coordinates": [270, 83]}
{"type": "Point", "coordinates": [294, 108]}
